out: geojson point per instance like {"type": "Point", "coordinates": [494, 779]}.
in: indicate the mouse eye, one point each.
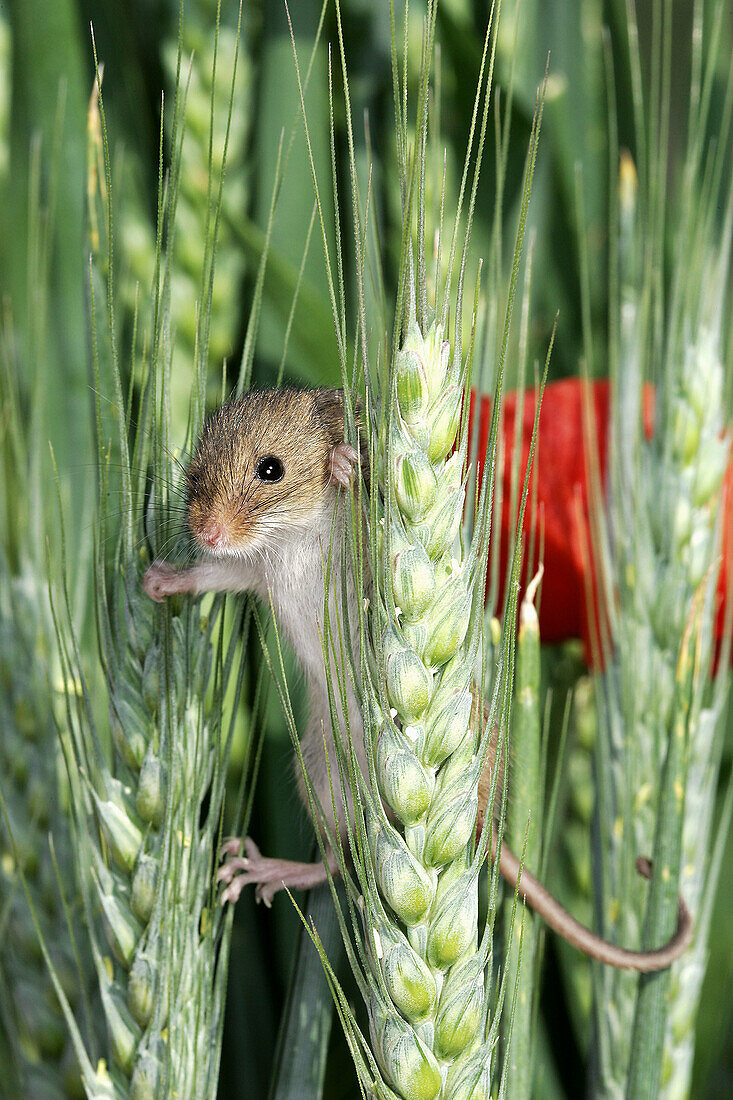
{"type": "Point", "coordinates": [269, 469]}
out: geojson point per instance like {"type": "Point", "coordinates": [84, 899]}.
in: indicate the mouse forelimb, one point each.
{"type": "Point", "coordinates": [230, 575]}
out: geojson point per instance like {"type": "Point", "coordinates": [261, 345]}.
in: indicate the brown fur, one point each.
{"type": "Point", "coordinates": [285, 423]}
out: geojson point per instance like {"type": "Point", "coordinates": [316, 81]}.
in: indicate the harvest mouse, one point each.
{"type": "Point", "coordinates": [266, 495]}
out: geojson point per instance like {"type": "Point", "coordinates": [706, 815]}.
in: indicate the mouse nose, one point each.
{"type": "Point", "coordinates": [213, 534]}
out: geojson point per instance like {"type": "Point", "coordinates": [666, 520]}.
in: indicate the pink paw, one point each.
{"type": "Point", "coordinates": [161, 580]}
{"type": "Point", "coordinates": [252, 868]}
{"type": "Point", "coordinates": [343, 460]}
{"type": "Point", "coordinates": [267, 875]}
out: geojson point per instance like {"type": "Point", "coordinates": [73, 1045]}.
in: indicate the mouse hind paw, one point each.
{"type": "Point", "coordinates": [265, 874]}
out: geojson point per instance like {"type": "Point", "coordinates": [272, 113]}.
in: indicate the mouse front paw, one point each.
{"type": "Point", "coordinates": [344, 459]}
{"type": "Point", "coordinates": [161, 580]}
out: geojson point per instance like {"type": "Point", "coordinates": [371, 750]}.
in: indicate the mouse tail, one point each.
{"type": "Point", "coordinates": [557, 917]}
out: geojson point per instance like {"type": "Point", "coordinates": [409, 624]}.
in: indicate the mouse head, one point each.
{"type": "Point", "coordinates": [261, 468]}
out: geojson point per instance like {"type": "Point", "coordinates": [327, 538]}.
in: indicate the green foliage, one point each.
{"type": "Point", "coordinates": [40, 1060]}
{"type": "Point", "coordinates": [662, 720]}
{"type": "Point", "coordinates": [207, 62]}
{"type": "Point", "coordinates": [523, 835]}
{"type": "Point", "coordinates": [35, 841]}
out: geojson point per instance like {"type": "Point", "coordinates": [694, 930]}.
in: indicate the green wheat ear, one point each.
{"type": "Point", "coordinates": [39, 892]}
{"type": "Point", "coordinates": [147, 767]}
{"type": "Point", "coordinates": [663, 710]}
{"type": "Point", "coordinates": [419, 730]}
{"type": "Point", "coordinates": [33, 805]}
{"type": "Point", "coordinates": [420, 956]}
{"type": "Point", "coordinates": [208, 96]}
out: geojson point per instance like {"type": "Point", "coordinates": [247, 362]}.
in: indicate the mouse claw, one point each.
{"type": "Point", "coordinates": [230, 846]}
{"type": "Point", "coordinates": [232, 867]}
{"type": "Point", "coordinates": [231, 892]}
{"type": "Point", "coordinates": [344, 458]}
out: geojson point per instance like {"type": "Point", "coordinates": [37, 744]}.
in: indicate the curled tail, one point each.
{"type": "Point", "coordinates": [549, 908]}
{"type": "Point", "coordinates": [593, 945]}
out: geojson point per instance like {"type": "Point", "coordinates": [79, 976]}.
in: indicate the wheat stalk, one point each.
{"type": "Point", "coordinates": [661, 711]}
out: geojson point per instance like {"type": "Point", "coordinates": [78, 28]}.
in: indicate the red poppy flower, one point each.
{"type": "Point", "coordinates": [573, 412]}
